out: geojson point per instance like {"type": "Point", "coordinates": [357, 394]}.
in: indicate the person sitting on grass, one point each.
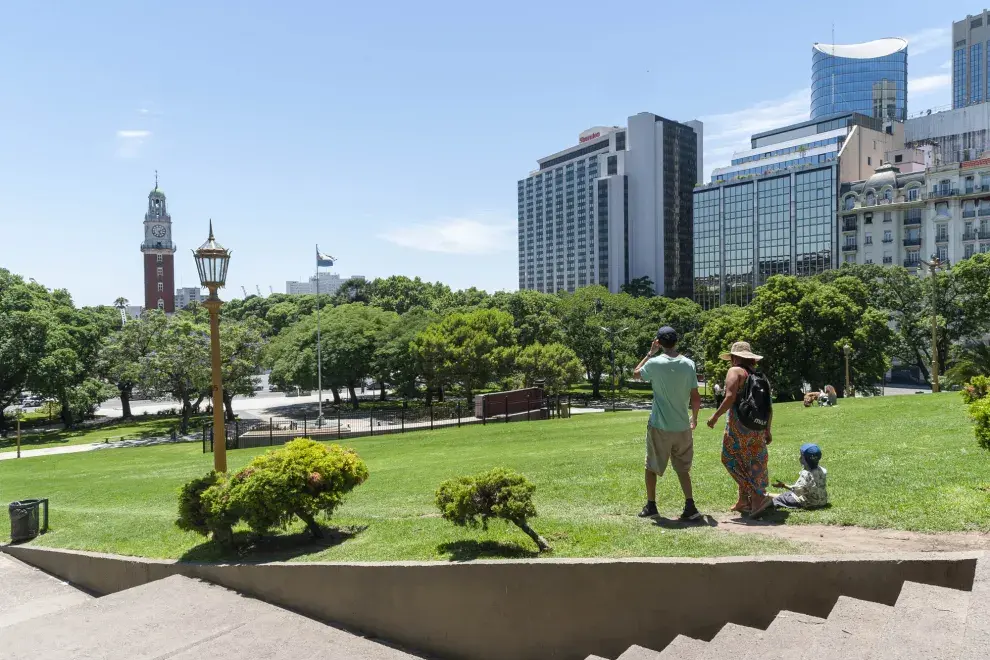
{"type": "Point", "coordinates": [809, 491]}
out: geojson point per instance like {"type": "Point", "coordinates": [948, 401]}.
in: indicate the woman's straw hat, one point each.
{"type": "Point", "coordinates": [741, 349]}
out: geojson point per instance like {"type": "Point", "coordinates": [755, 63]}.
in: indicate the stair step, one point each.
{"type": "Point", "coordinates": [684, 648]}
{"type": "Point", "coordinates": [851, 632]}
{"type": "Point", "coordinates": [928, 623]}
{"type": "Point", "coordinates": [638, 653]}
{"type": "Point", "coordinates": [595, 657]}
{"type": "Point", "coordinates": [27, 593]}
{"type": "Point", "coordinates": [977, 638]}
{"type": "Point", "coordinates": [732, 641]}
{"type": "Point", "coordinates": [787, 637]}
{"type": "Point", "coordinates": [183, 619]}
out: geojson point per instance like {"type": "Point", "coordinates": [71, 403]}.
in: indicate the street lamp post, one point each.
{"type": "Point", "coordinates": [847, 349]}
{"type": "Point", "coordinates": [934, 266]}
{"type": "Point", "coordinates": [211, 262]}
{"type": "Point", "coordinates": [611, 332]}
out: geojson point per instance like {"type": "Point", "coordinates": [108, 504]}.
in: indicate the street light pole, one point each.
{"type": "Point", "coordinates": [211, 262]}
{"type": "Point", "coordinates": [933, 266]}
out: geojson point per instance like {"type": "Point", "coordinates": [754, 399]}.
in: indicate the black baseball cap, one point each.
{"type": "Point", "coordinates": [667, 335]}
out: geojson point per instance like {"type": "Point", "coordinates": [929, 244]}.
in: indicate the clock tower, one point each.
{"type": "Point", "coordinates": [159, 254]}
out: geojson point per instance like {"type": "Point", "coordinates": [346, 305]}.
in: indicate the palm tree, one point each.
{"type": "Point", "coordinates": [968, 360]}
{"type": "Point", "coordinates": [121, 303]}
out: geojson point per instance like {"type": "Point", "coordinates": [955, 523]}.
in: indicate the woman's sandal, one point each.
{"type": "Point", "coordinates": [740, 508]}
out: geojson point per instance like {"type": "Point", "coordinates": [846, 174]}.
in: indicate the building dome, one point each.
{"type": "Point", "coordinates": [885, 175]}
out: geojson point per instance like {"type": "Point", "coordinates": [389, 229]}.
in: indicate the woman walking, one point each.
{"type": "Point", "coordinates": [744, 448]}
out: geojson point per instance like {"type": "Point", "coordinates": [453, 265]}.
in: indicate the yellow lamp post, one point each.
{"type": "Point", "coordinates": [211, 262]}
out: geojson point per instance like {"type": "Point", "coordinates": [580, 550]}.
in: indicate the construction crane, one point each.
{"type": "Point", "coordinates": [271, 291]}
{"type": "Point", "coordinates": [258, 289]}
{"type": "Point", "coordinates": [245, 291]}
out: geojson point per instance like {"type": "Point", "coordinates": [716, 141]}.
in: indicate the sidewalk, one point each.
{"type": "Point", "coordinates": [119, 444]}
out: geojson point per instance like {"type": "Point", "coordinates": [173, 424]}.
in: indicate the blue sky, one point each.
{"type": "Point", "coordinates": [391, 133]}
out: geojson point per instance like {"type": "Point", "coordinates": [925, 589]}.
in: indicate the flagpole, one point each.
{"type": "Point", "coordinates": [319, 345]}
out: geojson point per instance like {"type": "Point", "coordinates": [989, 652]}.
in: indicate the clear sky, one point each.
{"type": "Point", "coordinates": [391, 133]}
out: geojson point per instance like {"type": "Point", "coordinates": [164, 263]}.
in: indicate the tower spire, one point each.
{"type": "Point", "coordinates": [211, 230]}
{"type": "Point", "coordinates": [156, 179]}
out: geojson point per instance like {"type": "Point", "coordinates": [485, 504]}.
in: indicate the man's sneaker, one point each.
{"type": "Point", "coordinates": [649, 510]}
{"type": "Point", "coordinates": [690, 513]}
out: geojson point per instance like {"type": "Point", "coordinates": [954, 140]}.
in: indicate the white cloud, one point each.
{"type": "Point", "coordinates": [928, 40]}
{"type": "Point", "coordinates": [926, 84]}
{"type": "Point", "coordinates": [454, 236]}
{"type": "Point", "coordinates": [946, 65]}
{"type": "Point", "coordinates": [130, 142]}
{"type": "Point", "coordinates": [143, 111]}
{"type": "Point", "coordinates": [729, 132]}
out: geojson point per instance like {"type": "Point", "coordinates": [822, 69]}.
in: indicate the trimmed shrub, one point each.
{"type": "Point", "coordinates": [302, 479]}
{"type": "Point", "coordinates": [980, 411]}
{"type": "Point", "coordinates": [498, 493]}
{"type": "Point", "coordinates": [977, 388]}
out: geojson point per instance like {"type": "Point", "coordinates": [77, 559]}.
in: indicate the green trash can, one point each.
{"type": "Point", "coordinates": [24, 519]}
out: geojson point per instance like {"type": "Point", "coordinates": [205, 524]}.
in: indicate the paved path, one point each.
{"type": "Point", "coordinates": [94, 446]}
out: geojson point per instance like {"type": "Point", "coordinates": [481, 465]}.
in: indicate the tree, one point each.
{"type": "Point", "coordinates": [582, 327]}
{"type": "Point", "coordinates": [394, 361]}
{"type": "Point", "coordinates": [124, 352]}
{"type": "Point", "coordinates": [968, 360]}
{"type": "Point", "coordinates": [557, 366]}
{"type": "Point", "coordinates": [639, 287]}
{"type": "Point", "coordinates": [471, 349]}
{"type": "Point", "coordinates": [179, 366]}
{"type": "Point", "coordinates": [535, 315]}
{"type": "Point", "coordinates": [400, 294]}
{"type": "Point", "coordinates": [241, 350]}
{"type": "Point", "coordinates": [25, 321]}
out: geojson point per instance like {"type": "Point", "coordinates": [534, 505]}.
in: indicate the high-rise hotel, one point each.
{"type": "Point", "coordinates": [614, 207]}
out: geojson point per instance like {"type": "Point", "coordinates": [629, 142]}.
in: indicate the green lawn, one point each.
{"type": "Point", "coordinates": [140, 427]}
{"type": "Point", "coordinates": [907, 462]}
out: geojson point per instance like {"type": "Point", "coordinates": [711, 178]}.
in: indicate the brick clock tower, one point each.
{"type": "Point", "coordinates": [159, 254]}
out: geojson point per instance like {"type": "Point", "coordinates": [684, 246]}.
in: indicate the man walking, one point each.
{"type": "Point", "coordinates": [668, 434]}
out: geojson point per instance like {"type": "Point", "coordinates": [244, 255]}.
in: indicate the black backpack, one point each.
{"type": "Point", "coordinates": [753, 405]}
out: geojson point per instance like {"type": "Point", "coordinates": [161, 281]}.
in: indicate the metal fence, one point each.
{"type": "Point", "coordinates": [339, 425]}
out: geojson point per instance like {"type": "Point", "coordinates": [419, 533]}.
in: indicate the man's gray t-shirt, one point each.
{"type": "Point", "coordinates": [672, 379]}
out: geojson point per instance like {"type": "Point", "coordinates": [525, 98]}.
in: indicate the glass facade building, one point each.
{"type": "Point", "coordinates": [868, 78]}
{"type": "Point", "coordinates": [970, 60]}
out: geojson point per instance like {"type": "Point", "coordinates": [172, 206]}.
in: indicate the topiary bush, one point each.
{"type": "Point", "coordinates": [302, 479]}
{"type": "Point", "coordinates": [498, 493]}
{"type": "Point", "coordinates": [977, 388]}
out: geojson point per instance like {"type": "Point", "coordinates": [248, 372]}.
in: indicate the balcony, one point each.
{"type": "Point", "coordinates": [944, 192]}
{"type": "Point", "coordinates": [969, 213]}
{"type": "Point", "coordinates": [849, 246]}
{"type": "Point", "coordinates": [848, 225]}
{"type": "Point", "coordinates": [912, 263]}
{"type": "Point", "coordinates": [888, 261]}
{"type": "Point", "coordinates": [971, 236]}
{"type": "Point", "coordinates": [912, 219]}
{"type": "Point", "coordinates": [887, 240]}
{"type": "Point", "coordinates": [912, 242]}
{"type": "Point", "coordinates": [941, 238]}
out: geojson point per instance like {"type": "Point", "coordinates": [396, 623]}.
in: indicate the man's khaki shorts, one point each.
{"type": "Point", "coordinates": [664, 447]}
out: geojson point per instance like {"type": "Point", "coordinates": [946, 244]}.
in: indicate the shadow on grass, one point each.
{"type": "Point", "coordinates": [468, 550]}
{"type": "Point", "coordinates": [137, 428]}
{"type": "Point", "coordinates": [251, 548]}
{"type": "Point", "coordinates": [771, 518]}
{"type": "Point", "coordinates": [671, 523]}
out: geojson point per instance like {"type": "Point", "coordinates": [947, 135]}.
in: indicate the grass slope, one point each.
{"type": "Point", "coordinates": [903, 462]}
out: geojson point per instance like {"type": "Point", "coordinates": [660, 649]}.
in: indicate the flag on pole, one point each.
{"type": "Point", "coordinates": [323, 260]}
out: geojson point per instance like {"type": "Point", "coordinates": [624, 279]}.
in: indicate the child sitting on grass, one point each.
{"type": "Point", "coordinates": [810, 490]}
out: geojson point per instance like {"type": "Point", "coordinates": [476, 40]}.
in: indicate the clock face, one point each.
{"type": "Point", "coordinates": [158, 231]}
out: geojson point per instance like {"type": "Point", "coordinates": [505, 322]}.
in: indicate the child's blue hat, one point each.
{"type": "Point", "coordinates": [811, 453]}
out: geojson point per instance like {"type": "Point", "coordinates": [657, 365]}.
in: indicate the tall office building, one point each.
{"type": "Point", "coordinates": [868, 78]}
{"type": "Point", "coordinates": [615, 207]}
{"type": "Point", "coordinates": [970, 52]}
{"type": "Point", "coordinates": [772, 211]}
{"type": "Point", "coordinates": [188, 295]}
{"type": "Point", "coordinates": [328, 283]}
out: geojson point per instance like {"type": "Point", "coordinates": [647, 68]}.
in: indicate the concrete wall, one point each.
{"type": "Point", "coordinates": [565, 609]}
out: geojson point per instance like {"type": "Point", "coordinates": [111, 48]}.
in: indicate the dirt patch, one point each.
{"type": "Point", "coordinates": [833, 539]}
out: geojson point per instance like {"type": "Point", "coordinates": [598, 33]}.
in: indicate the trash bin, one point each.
{"type": "Point", "coordinates": [24, 524]}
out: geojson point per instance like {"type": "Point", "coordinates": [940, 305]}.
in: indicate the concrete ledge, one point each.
{"type": "Point", "coordinates": [566, 609]}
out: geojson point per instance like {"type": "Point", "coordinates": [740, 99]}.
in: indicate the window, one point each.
{"type": "Point", "coordinates": [161, 287]}
{"type": "Point", "coordinates": [160, 271]}
{"type": "Point", "coordinates": [968, 251]}
{"type": "Point", "coordinates": [975, 72]}
{"type": "Point", "coordinates": [959, 77]}
{"type": "Point", "coordinates": [158, 258]}
{"type": "Point", "coordinates": [848, 203]}
{"type": "Point", "coordinates": [943, 252]}
{"type": "Point", "coordinates": [850, 258]}
{"type": "Point", "coordinates": [898, 158]}
{"type": "Point", "coordinates": [887, 216]}
{"type": "Point", "coordinates": [871, 198]}
{"type": "Point", "coordinates": [161, 304]}
{"type": "Point", "coordinates": [869, 160]}
{"type": "Point", "coordinates": [942, 233]}
{"type": "Point", "coordinates": [613, 165]}
{"type": "Point", "coordinates": [888, 237]}
{"type": "Point", "coordinates": [867, 218]}
{"type": "Point", "coordinates": [869, 239]}
{"type": "Point", "coordinates": [869, 261]}
{"type": "Point", "coordinates": [912, 195]}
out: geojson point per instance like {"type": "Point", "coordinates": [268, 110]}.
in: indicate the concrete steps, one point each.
{"type": "Point", "coordinates": [27, 593]}
{"type": "Point", "coordinates": [927, 622]}
{"type": "Point", "coordinates": [182, 619]}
